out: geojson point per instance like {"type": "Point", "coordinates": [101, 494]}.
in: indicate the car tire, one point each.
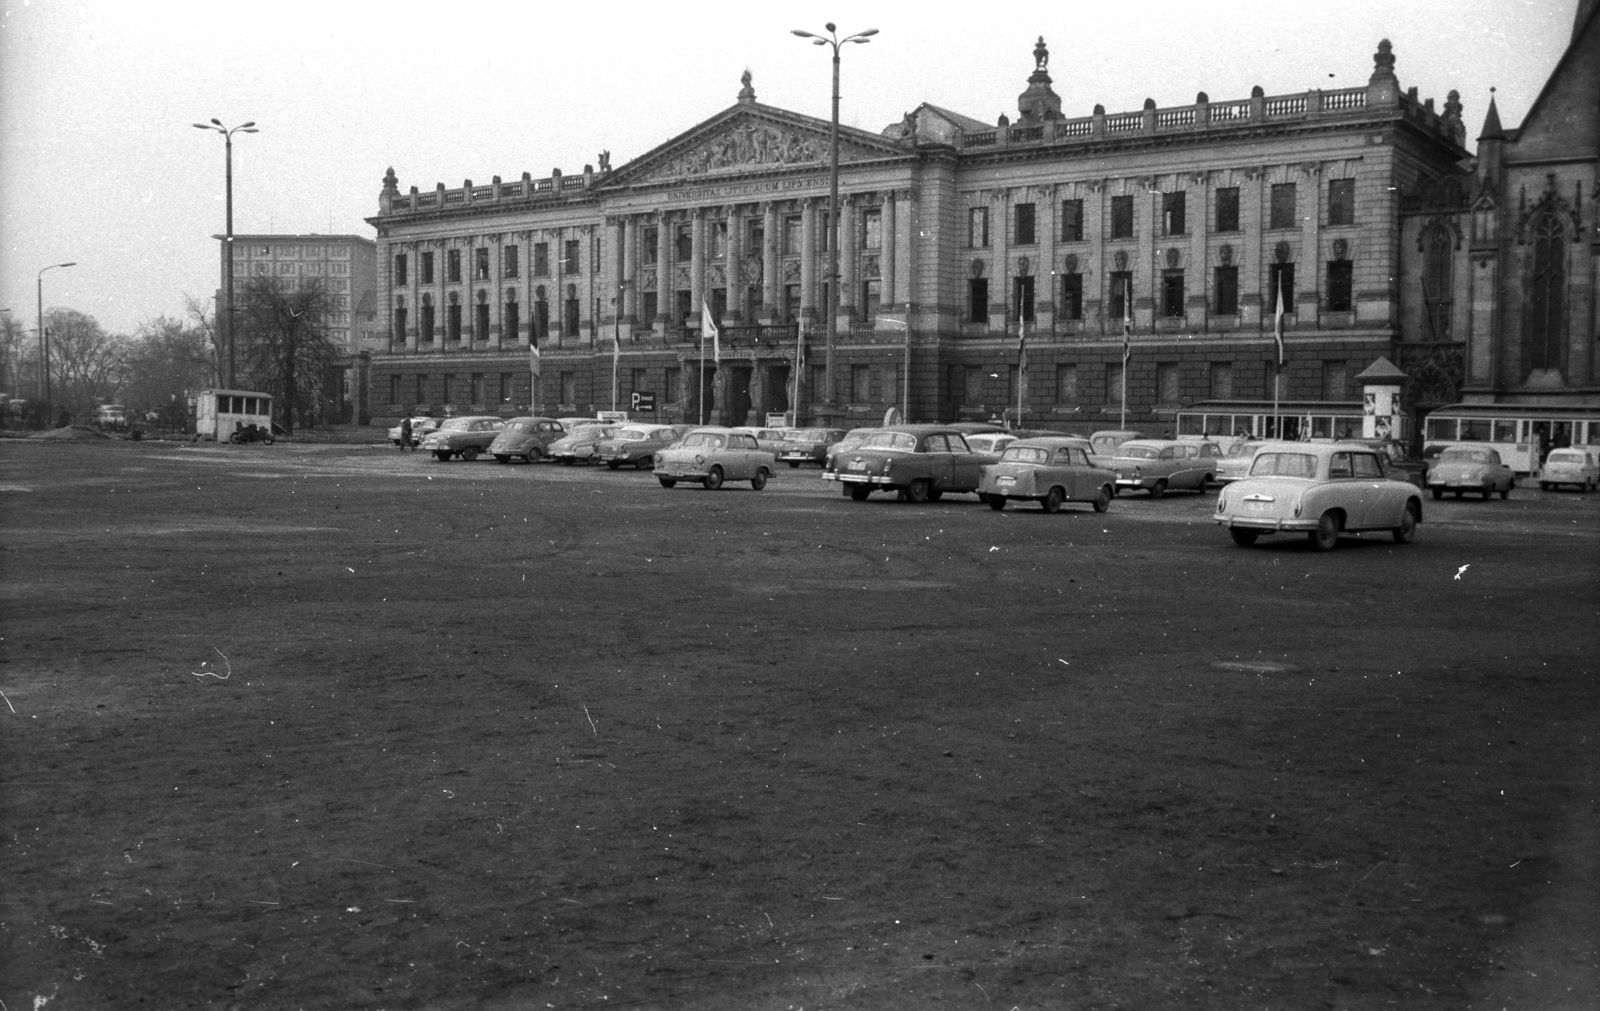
{"type": "Point", "coordinates": [1159, 488]}
{"type": "Point", "coordinates": [469, 454]}
{"type": "Point", "coordinates": [1488, 491]}
{"type": "Point", "coordinates": [793, 464]}
{"type": "Point", "coordinates": [1102, 501]}
{"type": "Point", "coordinates": [1505, 493]}
{"type": "Point", "coordinates": [917, 491]}
{"type": "Point", "coordinates": [1052, 500]}
{"type": "Point", "coordinates": [1544, 485]}
{"type": "Point", "coordinates": [760, 480]}
{"type": "Point", "coordinates": [1458, 494]}
{"type": "Point", "coordinates": [1438, 493]}
{"type": "Point", "coordinates": [667, 482]}
{"type": "Point", "coordinates": [644, 463]}
{"type": "Point", "coordinates": [502, 458]}
{"type": "Point", "coordinates": [1326, 536]}
{"type": "Point", "coordinates": [613, 464]}
{"type": "Point", "coordinates": [1243, 538]}
{"type": "Point", "coordinates": [1205, 484]}
{"type": "Point", "coordinates": [532, 456]}
{"type": "Point", "coordinates": [1408, 526]}
{"type": "Point", "coordinates": [858, 492]}
{"type": "Point", "coordinates": [996, 502]}
{"type": "Point", "coordinates": [443, 455]}
{"type": "Point", "coordinates": [713, 480]}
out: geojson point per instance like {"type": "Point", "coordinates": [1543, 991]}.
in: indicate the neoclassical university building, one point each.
{"type": "Point", "coordinates": [1361, 208]}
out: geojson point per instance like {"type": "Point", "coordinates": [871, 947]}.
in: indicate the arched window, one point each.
{"type": "Point", "coordinates": [1438, 263]}
{"type": "Point", "coordinates": [1545, 332]}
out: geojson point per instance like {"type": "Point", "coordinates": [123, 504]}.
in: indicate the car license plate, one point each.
{"type": "Point", "coordinates": [1006, 481]}
{"type": "Point", "coordinates": [1256, 507]}
{"type": "Point", "coordinates": [857, 465]}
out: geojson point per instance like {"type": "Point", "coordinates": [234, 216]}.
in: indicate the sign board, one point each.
{"type": "Point", "coordinates": [644, 401]}
{"type": "Point", "coordinates": [777, 420]}
{"type": "Point", "coordinates": [611, 415]}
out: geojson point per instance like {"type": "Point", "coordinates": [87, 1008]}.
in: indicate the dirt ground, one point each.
{"type": "Point", "coordinates": [328, 726]}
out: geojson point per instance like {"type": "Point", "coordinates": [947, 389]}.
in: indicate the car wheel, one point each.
{"type": "Point", "coordinates": [1052, 500]}
{"type": "Point", "coordinates": [567, 461]}
{"type": "Point", "coordinates": [613, 464]}
{"type": "Point", "coordinates": [532, 456]}
{"type": "Point", "coordinates": [918, 491]}
{"type": "Point", "coordinates": [1159, 488]}
{"type": "Point", "coordinates": [1505, 493]}
{"type": "Point", "coordinates": [1458, 494]}
{"type": "Point", "coordinates": [1543, 486]}
{"type": "Point", "coordinates": [469, 454]}
{"type": "Point", "coordinates": [858, 492]}
{"type": "Point", "coordinates": [502, 458]}
{"type": "Point", "coordinates": [1488, 490]}
{"type": "Point", "coordinates": [1326, 536]}
{"type": "Point", "coordinates": [1204, 484]}
{"type": "Point", "coordinates": [443, 455]}
{"type": "Point", "coordinates": [713, 480]}
{"type": "Point", "coordinates": [760, 480]}
{"type": "Point", "coordinates": [997, 502]}
{"type": "Point", "coordinates": [793, 464]}
{"type": "Point", "coordinates": [1102, 501]}
{"type": "Point", "coordinates": [1438, 493]}
{"type": "Point", "coordinates": [1242, 537]}
{"type": "Point", "coordinates": [644, 463]}
{"type": "Point", "coordinates": [667, 482]}
{"type": "Point", "coordinates": [1408, 526]}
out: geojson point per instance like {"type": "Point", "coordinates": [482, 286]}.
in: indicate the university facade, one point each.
{"type": "Point", "coordinates": [1185, 224]}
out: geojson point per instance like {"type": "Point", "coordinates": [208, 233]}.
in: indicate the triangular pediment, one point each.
{"type": "Point", "coordinates": [750, 139]}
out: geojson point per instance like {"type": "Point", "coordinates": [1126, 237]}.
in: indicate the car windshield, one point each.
{"type": "Point", "coordinates": [1464, 456]}
{"type": "Point", "coordinates": [1138, 453]}
{"type": "Point", "coordinates": [1284, 465]}
{"type": "Point", "coordinates": [704, 440]}
{"type": "Point", "coordinates": [456, 425]}
{"type": "Point", "coordinates": [1564, 456]}
{"type": "Point", "coordinates": [890, 440]}
{"type": "Point", "coordinates": [1025, 454]}
{"type": "Point", "coordinates": [632, 435]}
{"type": "Point", "coordinates": [810, 435]}
{"type": "Point", "coordinates": [520, 425]}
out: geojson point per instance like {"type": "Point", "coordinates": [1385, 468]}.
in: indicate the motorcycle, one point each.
{"type": "Point", "coordinates": [251, 433]}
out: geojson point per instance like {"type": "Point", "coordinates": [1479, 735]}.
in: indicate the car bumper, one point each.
{"type": "Point", "coordinates": [797, 458]}
{"type": "Point", "coordinates": [849, 477]}
{"type": "Point", "coordinates": [1267, 524]}
{"type": "Point", "coordinates": [1136, 482]}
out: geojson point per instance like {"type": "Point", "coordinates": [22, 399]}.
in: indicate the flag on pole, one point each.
{"type": "Point", "coordinates": [533, 359]}
{"type": "Point", "coordinates": [1022, 351]}
{"type": "Point", "coordinates": [1127, 325]}
{"type": "Point", "coordinates": [709, 327]}
{"type": "Point", "coordinates": [616, 352]}
{"type": "Point", "coordinates": [1277, 322]}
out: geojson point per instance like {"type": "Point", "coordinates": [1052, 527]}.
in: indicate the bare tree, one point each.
{"type": "Point", "coordinates": [166, 360]}
{"type": "Point", "coordinates": [85, 361]}
{"type": "Point", "coordinates": [283, 343]}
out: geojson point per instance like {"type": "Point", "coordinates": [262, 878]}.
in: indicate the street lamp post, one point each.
{"type": "Point", "coordinates": [831, 308]}
{"type": "Point", "coordinates": [227, 293]}
{"type": "Point", "coordinates": [44, 343]}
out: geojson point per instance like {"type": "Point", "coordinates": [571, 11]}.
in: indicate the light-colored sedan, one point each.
{"type": "Point", "coordinates": [1464, 468]}
{"type": "Point", "coordinates": [1049, 471]}
{"type": "Point", "coordinates": [773, 440]}
{"type": "Point", "coordinates": [991, 443]}
{"type": "Point", "coordinates": [917, 462]}
{"type": "Point", "coordinates": [1162, 465]}
{"type": "Point", "coordinates": [1576, 465]}
{"type": "Point", "coordinates": [713, 456]}
{"type": "Point", "coordinates": [1235, 462]}
{"type": "Point", "coordinates": [420, 425]}
{"type": "Point", "coordinates": [528, 438]}
{"type": "Point", "coordinates": [580, 444]}
{"type": "Point", "coordinates": [465, 437]}
{"type": "Point", "coordinates": [1321, 490]}
{"type": "Point", "coordinates": [636, 444]}
{"type": "Point", "coordinates": [809, 445]}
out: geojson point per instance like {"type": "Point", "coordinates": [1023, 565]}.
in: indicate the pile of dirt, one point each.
{"type": "Point", "coordinates": [72, 433]}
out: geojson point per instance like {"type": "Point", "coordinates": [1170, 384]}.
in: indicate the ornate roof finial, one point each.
{"type": "Point", "coordinates": [391, 181]}
{"type": "Point", "coordinates": [1383, 60]}
{"type": "Point", "coordinates": [1041, 56]}
{"type": "Point", "coordinates": [747, 94]}
{"type": "Point", "coordinates": [1039, 102]}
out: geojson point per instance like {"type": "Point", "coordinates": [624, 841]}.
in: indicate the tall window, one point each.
{"type": "Point", "coordinates": [683, 242]}
{"type": "Point", "coordinates": [978, 300]}
{"type": "Point", "coordinates": [871, 300]}
{"type": "Point", "coordinates": [541, 318]}
{"type": "Point", "coordinates": [422, 389]}
{"type": "Point", "coordinates": [648, 242]}
{"type": "Point", "coordinates": [1226, 287]}
{"type": "Point", "coordinates": [394, 389]}
{"type": "Point", "coordinates": [1172, 219]}
{"type": "Point", "coordinates": [1283, 207]}
{"type": "Point", "coordinates": [1114, 383]}
{"type": "Point", "coordinates": [398, 333]}
{"type": "Point", "coordinates": [480, 322]}
{"type": "Point", "coordinates": [448, 389]}
{"type": "Point", "coordinates": [1071, 296]}
{"type": "Point", "coordinates": [1228, 209]}
{"type": "Point", "coordinates": [1122, 217]}
{"type": "Point", "coordinates": [648, 309]}
{"type": "Point", "coordinates": [1066, 384]}
{"type": "Point", "coordinates": [509, 255]}
{"type": "Point", "coordinates": [1121, 294]}
{"type": "Point", "coordinates": [1172, 294]}
{"type": "Point", "coordinates": [475, 389]}
{"type": "Point", "coordinates": [674, 385]}
{"type": "Point", "coordinates": [1341, 201]}
{"type": "Point", "coordinates": [1072, 221]}
{"type": "Point", "coordinates": [872, 229]}
{"type": "Point", "coordinates": [452, 261]}
{"type": "Point", "coordinates": [755, 236]}
{"type": "Point", "coordinates": [1280, 278]}
{"type": "Point", "coordinates": [1167, 388]}
{"type": "Point", "coordinates": [1024, 222]}
{"type": "Point", "coordinates": [793, 229]}
{"type": "Point", "coordinates": [719, 240]}
{"type": "Point", "coordinates": [978, 227]}
{"type": "Point", "coordinates": [1545, 333]}
{"type": "Point", "coordinates": [686, 307]}
{"type": "Point", "coordinates": [452, 318]}
{"type": "Point", "coordinates": [400, 269]}
{"type": "Point", "coordinates": [425, 325]}
{"type": "Point", "coordinates": [1335, 380]}
{"type": "Point", "coordinates": [512, 317]}
{"type": "Point", "coordinates": [973, 381]}
{"type": "Point", "coordinates": [860, 384]}
{"type": "Point", "coordinates": [1022, 299]}
{"type": "Point", "coordinates": [505, 387]}
{"type": "Point", "coordinates": [480, 269]}
{"type": "Point", "coordinates": [569, 317]}
{"type": "Point", "coordinates": [427, 268]}
{"type": "Point", "coordinates": [541, 259]}
{"type": "Point", "coordinates": [1437, 279]}
{"type": "Point", "coordinates": [1341, 278]}
{"type": "Point", "coordinates": [571, 262]}
{"type": "Point", "coordinates": [1221, 380]}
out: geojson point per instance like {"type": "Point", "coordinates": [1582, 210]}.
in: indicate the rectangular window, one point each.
{"type": "Point", "coordinates": [1114, 383]}
{"type": "Point", "coordinates": [978, 300]}
{"type": "Point", "coordinates": [683, 243]}
{"type": "Point", "coordinates": [1335, 379]}
{"type": "Point", "coordinates": [1280, 279]}
{"type": "Point", "coordinates": [1066, 384]}
{"type": "Point", "coordinates": [1024, 225]}
{"type": "Point", "coordinates": [1172, 294]}
{"type": "Point", "coordinates": [452, 321]}
{"type": "Point", "coordinates": [1071, 296]}
{"type": "Point", "coordinates": [541, 259]}
{"type": "Point", "coordinates": [649, 242]}
{"type": "Point", "coordinates": [1072, 221]}
{"type": "Point", "coordinates": [422, 389]}
{"type": "Point", "coordinates": [1022, 299]}
{"type": "Point", "coordinates": [872, 229]}
{"type": "Point", "coordinates": [569, 318]}
{"type": "Point", "coordinates": [505, 388]}
{"type": "Point", "coordinates": [452, 259]}
{"type": "Point", "coordinates": [509, 255]}
{"type": "Point", "coordinates": [475, 388]}
{"type": "Point", "coordinates": [394, 389]}
{"type": "Point", "coordinates": [719, 240]}
{"type": "Point", "coordinates": [860, 389]}
{"type": "Point", "coordinates": [1341, 201]}
{"type": "Point", "coordinates": [1226, 284]}
{"type": "Point", "coordinates": [978, 227]}
{"type": "Point", "coordinates": [793, 230]}
{"type": "Point", "coordinates": [1341, 280]}
{"type": "Point", "coordinates": [637, 380]}
{"type": "Point", "coordinates": [972, 379]}
{"type": "Point", "coordinates": [1221, 380]}
{"type": "Point", "coordinates": [1121, 294]}
{"type": "Point", "coordinates": [1283, 207]}
{"type": "Point", "coordinates": [755, 235]}
{"type": "Point", "coordinates": [1228, 209]}
{"type": "Point", "coordinates": [570, 257]}
{"type": "Point", "coordinates": [400, 270]}
{"type": "Point", "coordinates": [1172, 219]}
{"type": "Point", "coordinates": [674, 384]}
{"type": "Point", "coordinates": [1122, 217]}
{"type": "Point", "coordinates": [569, 388]}
{"type": "Point", "coordinates": [871, 300]}
{"type": "Point", "coordinates": [687, 310]}
{"type": "Point", "coordinates": [648, 309]}
{"type": "Point", "coordinates": [481, 264]}
{"type": "Point", "coordinates": [448, 389]}
{"type": "Point", "coordinates": [1167, 382]}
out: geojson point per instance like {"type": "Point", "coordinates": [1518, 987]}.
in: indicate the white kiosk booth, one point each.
{"type": "Point", "coordinates": [220, 413]}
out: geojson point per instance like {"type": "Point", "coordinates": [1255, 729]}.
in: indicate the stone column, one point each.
{"type": "Point", "coordinates": [771, 283]}
{"type": "Point", "coordinates": [808, 261]}
{"type": "Point", "coordinates": [1308, 266]}
{"type": "Point", "coordinates": [413, 293]}
{"type": "Point", "coordinates": [1046, 282]}
{"type": "Point", "coordinates": [666, 290]}
{"type": "Point", "coordinates": [1252, 249]}
{"type": "Point", "coordinates": [888, 258]}
{"type": "Point", "coordinates": [1000, 275]}
{"type": "Point", "coordinates": [628, 241]}
{"type": "Point", "coordinates": [1097, 283]}
{"type": "Point", "coordinates": [733, 264]}
{"type": "Point", "coordinates": [1146, 273]}
{"type": "Point", "coordinates": [697, 263]}
{"type": "Point", "coordinates": [849, 243]}
{"type": "Point", "coordinates": [1197, 266]}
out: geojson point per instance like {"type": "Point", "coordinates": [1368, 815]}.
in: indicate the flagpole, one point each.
{"type": "Point", "coordinates": [799, 366]}
{"type": "Point", "coordinates": [1127, 350]}
{"type": "Point", "coordinates": [1277, 374]}
{"type": "Point", "coordinates": [905, 377]}
{"type": "Point", "coordinates": [1022, 362]}
{"type": "Point", "coordinates": [702, 368]}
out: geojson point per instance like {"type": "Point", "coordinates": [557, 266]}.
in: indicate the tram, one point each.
{"type": "Point", "coordinates": [1522, 433]}
{"type": "Point", "coordinates": [1228, 421]}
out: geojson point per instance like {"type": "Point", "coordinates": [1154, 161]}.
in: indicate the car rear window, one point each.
{"type": "Point", "coordinates": [1138, 453]}
{"type": "Point", "coordinates": [890, 440]}
{"type": "Point", "coordinates": [1465, 456]}
{"type": "Point", "coordinates": [1025, 454]}
{"type": "Point", "coordinates": [1284, 465]}
{"type": "Point", "coordinates": [704, 440]}
{"type": "Point", "coordinates": [1568, 456]}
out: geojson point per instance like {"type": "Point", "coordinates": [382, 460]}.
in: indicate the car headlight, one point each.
{"type": "Point", "coordinates": [1222, 502]}
{"type": "Point", "coordinates": [698, 459]}
{"type": "Point", "coordinates": [886, 466]}
{"type": "Point", "coordinates": [1298, 505]}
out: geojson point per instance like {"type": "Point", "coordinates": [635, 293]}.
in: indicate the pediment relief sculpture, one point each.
{"type": "Point", "coordinates": [747, 146]}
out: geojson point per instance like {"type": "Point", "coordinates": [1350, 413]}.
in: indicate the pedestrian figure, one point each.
{"type": "Point", "coordinates": [405, 434]}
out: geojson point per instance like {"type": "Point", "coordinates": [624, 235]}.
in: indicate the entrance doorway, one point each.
{"type": "Point", "coordinates": [738, 395]}
{"type": "Point", "coordinates": [776, 389]}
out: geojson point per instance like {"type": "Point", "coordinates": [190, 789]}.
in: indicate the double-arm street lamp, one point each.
{"type": "Point", "coordinates": [832, 39]}
{"type": "Point", "coordinates": [44, 343]}
{"type": "Point", "coordinates": [227, 252]}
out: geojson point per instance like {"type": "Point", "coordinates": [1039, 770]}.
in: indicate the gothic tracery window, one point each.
{"type": "Point", "coordinates": [1544, 333]}
{"type": "Point", "coordinates": [1437, 277]}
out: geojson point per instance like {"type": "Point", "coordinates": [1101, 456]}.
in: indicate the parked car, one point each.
{"type": "Point", "coordinates": [713, 456]}
{"type": "Point", "coordinates": [1235, 462]}
{"type": "Point", "coordinates": [1577, 465]}
{"type": "Point", "coordinates": [810, 445]}
{"type": "Point", "coordinates": [975, 427]}
{"type": "Point", "coordinates": [991, 443]}
{"type": "Point", "coordinates": [1397, 460]}
{"type": "Point", "coordinates": [636, 444]}
{"type": "Point", "coordinates": [774, 440]}
{"type": "Point", "coordinates": [420, 426]}
{"type": "Point", "coordinates": [1162, 465]}
{"type": "Point", "coordinates": [529, 438]}
{"type": "Point", "coordinates": [920, 462]}
{"type": "Point", "coordinates": [1050, 471]}
{"type": "Point", "coordinates": [581, 444]}
{"type": "Point", "coordinates": [465, 437]}
{"type": "Point", "coordinates": [1463, 468]}
{"type": "Point", "coordinates": [1320, 489]}
{"type": "Point", "coordinates": [1105, 442]}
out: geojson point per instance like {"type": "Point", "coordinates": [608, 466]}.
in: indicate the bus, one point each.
{"type": "Point", "coordinates": [1228, 421]}
{"type": "Point", "coordinates": [219, 413]}
{"type": "Point", "coordinates": [1522, 433]}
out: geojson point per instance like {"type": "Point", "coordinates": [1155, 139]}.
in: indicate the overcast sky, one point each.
{"type": "Point", "coordinates": [100, 163]}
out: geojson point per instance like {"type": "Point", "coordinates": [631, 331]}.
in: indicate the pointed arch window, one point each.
{"type": "Point", "coordinates": [1437, 281]}
{"type": "Point", "coordinates": [1545, 331]}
